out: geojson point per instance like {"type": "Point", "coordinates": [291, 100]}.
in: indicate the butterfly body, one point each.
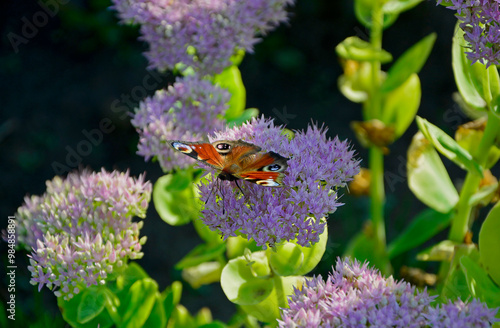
{"type": "Point", "coordinates": [237, 160]}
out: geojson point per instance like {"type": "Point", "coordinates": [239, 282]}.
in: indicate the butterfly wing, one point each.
{"type": "Point", "coordinates": [263, 168]}
{"type": "Point", "coordinates": [201, 151]}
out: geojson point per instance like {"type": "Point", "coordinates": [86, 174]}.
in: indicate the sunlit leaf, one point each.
{"type": "Point", "coordinates": [489, 243]}
{"type": "Point", "coordinates": [354, 48]}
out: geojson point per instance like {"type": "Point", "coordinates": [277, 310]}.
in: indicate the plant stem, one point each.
{"type": "Point", "coordinates": [376, 42]}
{"type": "Point", "coordinates": [461, 222]}
{"type": "Point", "coordinates": [377, 196]}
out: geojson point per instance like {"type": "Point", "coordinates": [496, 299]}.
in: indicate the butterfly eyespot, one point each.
{"type": "Point", "coordinates": [223, 146]}
{"type": "Point", "coordinates": [267, 183]}
{"type": "Point", "coordinates": [272, 168]}
{"type": "Point", "coordinates": [183, 148]}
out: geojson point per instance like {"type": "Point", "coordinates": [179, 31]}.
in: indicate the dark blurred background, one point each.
{"type": "Point", "coordinates": [64, 78]}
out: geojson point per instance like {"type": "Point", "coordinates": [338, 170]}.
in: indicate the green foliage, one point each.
{"type": "Point", "coordinates": [489, 244]}
{"type": "Point", "coordinates": [353, 48]}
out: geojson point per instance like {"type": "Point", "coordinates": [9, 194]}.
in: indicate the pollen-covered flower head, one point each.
{"type": "Point", "coordinates": [355, 295]}
{"type": "Point", "coordinates": [199, 33]}
{"type": "Point", "coordinates": [480, 21]}
{"type": "Point", "coordinates": [188, 111]}
{"type": "Point", "coordinates": [317, 166]}
{"type": "Point", "coordinates": [81, 229]}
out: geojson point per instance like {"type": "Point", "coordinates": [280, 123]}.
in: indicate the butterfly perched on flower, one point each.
{"type": "Point", "coordinates": [237, 160]}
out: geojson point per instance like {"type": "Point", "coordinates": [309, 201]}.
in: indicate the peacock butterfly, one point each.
{"type": "Point", "coordinates": [237, 160]}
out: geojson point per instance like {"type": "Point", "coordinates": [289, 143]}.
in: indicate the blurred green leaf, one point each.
{"type": "Point", "coordinates": [353, 48]}
{"type": "Point", "coordinates": [285, 259]}
{"type": "Point", "coordinates": [363, 11]}
{"type": "Point", "coordinates": [157, 317]}
{"type": "Point", "coordinates": [484, 195]}
{"type": "Point", "coordinates": [424, 226]}
{"type": "Point", "coordinates": [171, 297]}
{"type": "Point", "coordinates": [230, 79]}
{"type": "Point", "coordinates": [181, 318]}
{"type": "Point", "coordinates": [201, 253]}
{"type": "Point", "coordinates": [203, 274]}
{"type": "Point", "coordinates": [313, 254]}
{"type": "Point", "coordinates": [442, 251]}
{"type": "Point", "coordinates": [489, 243]}
{"type": "Point", "coordinates": [427, 177]}
{"type": "Point", "coordinates": [349, 89]}
{"type": "Point", "coordinates": [139, 302]}
{"type": "Point", "coordinates": [175, 205]}
{"type": "Point", "coordinates": [466, 74]}
{"type": "Point", "coordinates": [480, 284]}
{"type": "Point", "coordinates": [447, 146]}
{"type": "Point", "coordinates": [247, 115]}
{"type": "Point", "coordinates": [399, 6]}
{"type": "Point", "coordinates": [401, 105]}
{"type": "Point", "coordinates": [91, 305]}
{"type": "Point", "coordinates": [363, 248]}
{"type": "Point", "coordinates": [247, 283]}
{"type": "Point", "coordinates": [455, 285]}
{"type": "Point", "coordinates": [70, 309]}
{"type": "Point", "coordinates": [409, 63]}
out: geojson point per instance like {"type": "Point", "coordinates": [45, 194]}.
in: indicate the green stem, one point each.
{"type": "Point", "coordinates": [377, 196]}
{"type": "Point", "coordinates": [375, 110]}
{"type": "Point", "coordinates": [462, 219]}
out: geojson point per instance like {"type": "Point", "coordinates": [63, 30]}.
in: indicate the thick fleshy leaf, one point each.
{"type": "Point", "coordinates": [348, 88]}
{"type": "Point", "coordinates": [489, 243]}
{"type": "Point", "coordinates": [363, 12]}
{"type": "Point", "coordinates": [484, 195]}
{"type": "Point", "coordinates": [427, 176]}
{"type": "Point", "coordinates": [443, 251]}
{"type": "Point", "coordinates": [401, 105]}
{"type": "Point", "coordinates": [236, 246]}
{"type": "Point", "coordinates": [69, 310]}
{"type": "Point", "coordinates": [469, 138]}
{"type": "Point", "coordinates": [285, 259]}
{"type": "Point", "coordinates": [202, 274]}
{"type": "Point", "coordinates": [409, 63]}
{"type": "Point", "coordinates": [313, 254]}
{"type": "Point", "coordinates": [447, 146]}
{"type": "Point", "coordinates": [157, 317]}
{"type": "Point", "coordinates": [399, 6]}
{"type": "Point", "coordinates": [132, 273]}
{"type": "Point", "coordinates": [480, 284]}
{"type": "Point", "coordinates": [230, 79]}
{"type": "Point", "coordinates": [246, 281]}
{"type": "Point", "coordinates": [174, 199]}
{"type": "Point", "coordinates": [91, 305]}
{"type": "Point", "coordinates": [424, 226]}
{"type": "Point", "coordinates": [171, 297]}
{"type": "Point", "coordinates": [466, 75]}
{"type": "Point", "coordinates": [181, 318]}
{"type": "Point", "coordinates": [269, 309]}
{"type": "Point", "coordinates": [139, 302]}
{"type": "Point", "coordinates": [353, 48]}
{"type": "Point", "coordinates": [201, 253]}
{"type": "Point", "coordinates": [455, 285]}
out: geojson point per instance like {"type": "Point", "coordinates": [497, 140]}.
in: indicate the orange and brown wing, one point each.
{"type": "Point", "coordinates": [201, 151]}
{"type": "Point", "coordinates": [265, 169]}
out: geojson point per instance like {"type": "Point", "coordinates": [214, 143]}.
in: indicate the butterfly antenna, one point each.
{"type": "Point", "coordinates": [237, 185]}
{"type": "Point", "coordinates": [212, 191]}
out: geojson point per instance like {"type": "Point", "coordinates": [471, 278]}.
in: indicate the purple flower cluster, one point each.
{"type": "Point", "coordinates": [461, 315]}
{"type": "Point", "coordinates": [317, 166]}
{"type": "Point", "coordinates": [199, 33]}
{"type": "Point", "coordinates": [480, 20]}
{"type": "Point", "coordinates": [81, 229]}
{"type": "Point", "coordinates": [187, 111]}
{"type": "Point", "coordinates": [357, 296]}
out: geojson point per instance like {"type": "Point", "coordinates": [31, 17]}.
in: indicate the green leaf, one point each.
{"type": "Point", "coordinates": [363, 11]}
{"type": "Point", "coordinates": [91, 305]}
{"type": "Point", "coordinates": [455, 285]}
{"type": "Point", "coordinates": [247, 115]}
{"type": "Point", "coordinates": [132, 273]}
{"type": "Point", "coordinates": [171, 297]}
{"type": "Point", "coordinates": [427, 177]}
{"type": "Point", "coordinates": [181, 318]}
{"type": "Point", "coordinates": [399, 6]}
{"type": "Point", "coordinates": [447, 146]}
{"type": "Point", "coordinates": [139, 303]}
{"type": "Point", "coordinates": [424, 226]}
{"type": "Point", "coordinates": [203, 274]}
{"type": "Point", "coordinates": [466, 74]}
{"type": "Point", "coordinates": [401, 105]}
{"type": "Point", "coordinates": [442, 251]}
{"type": "Point", "coordinates": [230, 79]}
{"type": "Point", "coordinates": [174, 199]}
{"type": "Point", "coordinates": [205, 233]}
{"type": "Point", "coordinates": [409, 63]}
{"type": "Point", "coordinates": [236, 246]}
{"type": "Point", "coordinates": [268, 310]}
{"type": "Point", "coordinates": [480, 284]}
{"type": "Point", "coordinates": [353, 48]}
{"type": "Point", "coordinates": [201, 253]}
{"type": "Point", "coordinates": [484, 195]}
{"type": "Point", "coordinates": [69, 310]}
{"type": "Point", "coordinates": [247, 282]}
{"type": "Point", "coordinates": [489, 243]}
{"type": "Point", "coordinates": [285, 259]}
{"type": "Point", "coordinates": [313, 254]}
{"type": "Point", "coordinates": [157, 318]}
{"type": "Point", "coordinates": [349, 89]}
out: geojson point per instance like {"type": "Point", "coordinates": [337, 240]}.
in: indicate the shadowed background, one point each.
{"type": "Point", "coordinates": [59, 86]}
